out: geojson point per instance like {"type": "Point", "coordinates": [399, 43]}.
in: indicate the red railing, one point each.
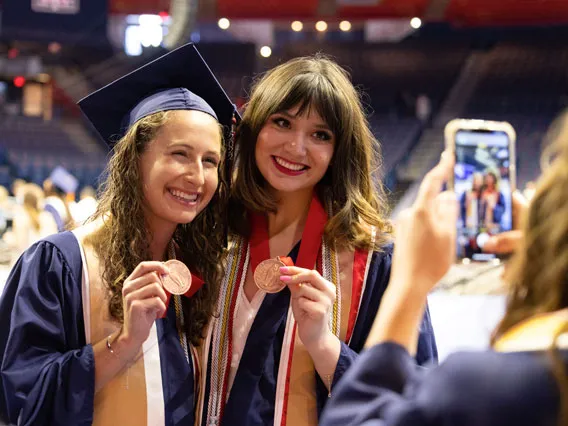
{"type": "Point", "coordinates": [466, 12]}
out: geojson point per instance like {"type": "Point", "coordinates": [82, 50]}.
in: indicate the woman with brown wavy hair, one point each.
{"type": "Point", "coordinates": [310, 251]}
{"type": "Point", "coordinates": [522, 381]}
{"type": "Point", "coordinates": [97, 327]}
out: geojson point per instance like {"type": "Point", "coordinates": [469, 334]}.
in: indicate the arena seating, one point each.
{"type": "Point", "coordinates": [34, 147]}
{"type": "Point", "coordinates": [521, 82]}
{"type": "Point", "coordinates": [524, 83]}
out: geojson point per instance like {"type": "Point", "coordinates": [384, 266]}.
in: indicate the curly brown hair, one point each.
{"type": "Point", "coordinates": [538, 273]}
{"type": "Point", "coordinates": [357, 202]}
{"type": "Point", "coordinates": [122, 242]}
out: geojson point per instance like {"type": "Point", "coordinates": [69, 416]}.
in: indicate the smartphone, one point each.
{"type": "Point", "coordinates": [484, 181]}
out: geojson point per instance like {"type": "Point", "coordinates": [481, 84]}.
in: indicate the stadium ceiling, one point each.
{"type": "Point", "coordinates": [459, 12]}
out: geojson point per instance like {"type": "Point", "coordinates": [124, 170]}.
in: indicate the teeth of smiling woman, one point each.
{"type": "Point", "coordinates": [284, 163]}
{"type": "Point", "coordinates": [184, 195]}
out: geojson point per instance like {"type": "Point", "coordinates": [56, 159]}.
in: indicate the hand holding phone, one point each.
{"type": "Point", "coordinates": [508, 242]}
{"type": "Point", "coordinates": [484, 180]}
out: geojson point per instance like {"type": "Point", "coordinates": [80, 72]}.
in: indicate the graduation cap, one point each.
{"type": "Point", "coordinates": [63, 180]}
{"type": "Point", "coordinates": [178, 80]}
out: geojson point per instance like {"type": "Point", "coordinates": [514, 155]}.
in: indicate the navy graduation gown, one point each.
{"type": "Point", "coordinates": [252, 398]}
{"type": "Point", "coordinates": [47, 369]}
{"type": "Point", "coordinates": [386, 388]}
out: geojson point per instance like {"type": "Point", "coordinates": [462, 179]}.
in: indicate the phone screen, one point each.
{"type": "Point", "coordinates": [482, 182]}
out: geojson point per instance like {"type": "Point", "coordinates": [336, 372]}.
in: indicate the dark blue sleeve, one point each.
{"type": "Point", "coordinates": [386, 388]}
{"type": "Point", "coordinates": [47, 370]}
{"type": "Point", "coordinates": [347, 356]}
{"type": "Point", "coordinates": [426, 351]}
{"type": "Point", "coordinates": [377, 281]}
{"type": "Point", "coordinates": [372, 388]}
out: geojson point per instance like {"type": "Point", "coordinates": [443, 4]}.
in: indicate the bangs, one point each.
{"type": "Point", "coordinates": [312, 91]}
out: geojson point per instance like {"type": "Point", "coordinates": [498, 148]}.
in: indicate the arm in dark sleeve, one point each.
{"type": "Point", "coordinates": [386, 388]}
{"type": "Point", "coordinates": [47, 370]}
{"type": "Point", "coordinates": [347, 357]}
{"type": "Point", "coordinates": [377, 282]}
{"type": "Point", "coordinates": [379, 275]}
{"type": "Point", "coordinates": [426, 354]}
{"type": "Point", "coordinates": [426, 351]}
{"type": "Point", "coordinates": [371, 393]}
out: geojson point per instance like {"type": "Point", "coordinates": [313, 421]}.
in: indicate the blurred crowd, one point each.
{"type": "Point", "coordinates": [30, 212]}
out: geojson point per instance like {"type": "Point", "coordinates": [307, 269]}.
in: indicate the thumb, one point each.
{"type": "Point", "coordinates": [504, 243]}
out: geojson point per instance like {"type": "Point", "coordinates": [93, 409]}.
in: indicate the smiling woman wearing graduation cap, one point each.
{"type": "Point", "coordinates": [89, 332]}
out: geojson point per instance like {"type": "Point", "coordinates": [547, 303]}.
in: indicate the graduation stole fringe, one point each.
{"type": "Point", "coordinates": [296, 382]}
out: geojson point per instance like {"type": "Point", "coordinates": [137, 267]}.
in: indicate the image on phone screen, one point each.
{"type": "Point", "coordinates": [483, 187]}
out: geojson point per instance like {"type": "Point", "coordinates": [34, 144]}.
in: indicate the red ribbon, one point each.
{"type": "Point", "coordinates": [311, 238]}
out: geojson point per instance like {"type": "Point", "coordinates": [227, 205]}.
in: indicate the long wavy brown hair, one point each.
{"type": "Point", "coordinates": [357, 202]}
{"type": "Point", "coordinates": [538, 273]}
{"type": "Point", "coordinates": [123, 240]}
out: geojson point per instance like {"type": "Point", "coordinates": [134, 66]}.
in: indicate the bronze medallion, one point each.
{"type": "Point", "coordinates": [267, 275]}
{"type": "Point", "coordinates": [178, 281]}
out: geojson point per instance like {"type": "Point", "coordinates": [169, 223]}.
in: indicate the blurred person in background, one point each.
{"type": "Point", "coordinates": [17, 184]}
{"type": "Point", "coordinates": [57, 187]}
{"type": "Point", "coordinates": [523, 380]}
{"type": "Point", "coordinates": [86, 206]}
{"type": "Point", "coordinates": [423, 108]}
{"type": "Point", "coordinates": [31, 222]}
{"type": "Point", "coordinates": [89, 333]}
